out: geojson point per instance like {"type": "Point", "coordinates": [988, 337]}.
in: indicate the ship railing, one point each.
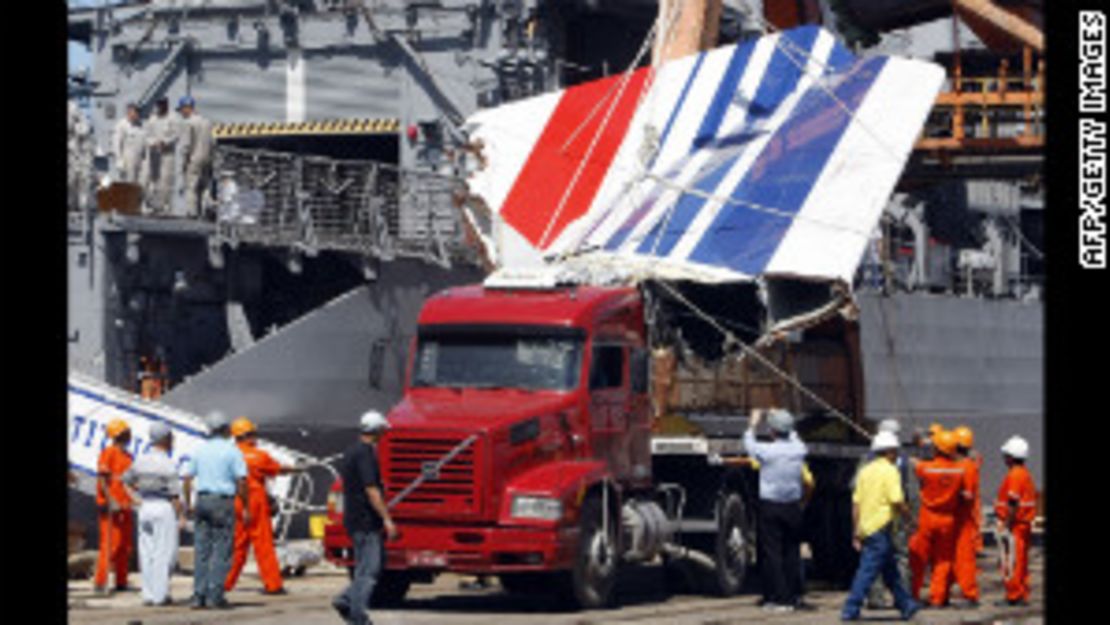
{"type": "Point", "coordinates": [316, 203]}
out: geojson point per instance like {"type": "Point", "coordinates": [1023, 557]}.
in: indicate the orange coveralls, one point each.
{"type": "Point", "coordinates": [116, 528]}
{"type": "Point", "coordinates": [1018, 487]}
{"type": "Point", "coordinates": [943, 482]}
{"type": "Point", "coordinates": [968, 534]}
{"type": "Point", "coordinates": [260, 532]}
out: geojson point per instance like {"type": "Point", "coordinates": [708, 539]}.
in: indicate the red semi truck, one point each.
{"type": "Point", "coordinates": [525, 447]}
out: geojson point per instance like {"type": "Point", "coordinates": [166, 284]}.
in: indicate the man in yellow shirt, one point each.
{"type": "Point", "coordinates": [877, 497]}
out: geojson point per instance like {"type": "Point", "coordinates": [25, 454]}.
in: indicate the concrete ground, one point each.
{"type": "Point", "coordinates": [643, 599]}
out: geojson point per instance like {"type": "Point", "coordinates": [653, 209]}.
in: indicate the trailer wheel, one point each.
{"type": "Point", "coordinates": [594, 573]}
{"type": "Point", "coordinates": [733, 549]}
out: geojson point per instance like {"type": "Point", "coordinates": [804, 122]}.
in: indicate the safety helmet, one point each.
{"type": "Point", "coordinates": [186, 101]}
{"type": "Point", "coordinates": [780, 421]}
{"type": "Point", "coordinates": [116, 427]}
{"type": "Point", "coordinates": [159, 431]}
{"type": "Point", "coordinates": [890, 425]}
{"type": "Point", "coordinates": [217, 420]}
{"type": "Point", "coordinates": [884, 441]}
{"type": "Point", "coordinates": [241, 427]}
{"type": "Point", "coordinates": [964, 436]}
{"type": "Point", "coordinates": [945, 442]}
{"type": "Point", "coordinates": [934, 428]}
{"type": "Point", "coordinates": [373, 421]}
{"type": "Point", "coordinates": [1016, 447]}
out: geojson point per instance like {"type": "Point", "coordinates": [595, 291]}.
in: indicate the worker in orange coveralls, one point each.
{"type": "Point", "coordinates": [943, 484]}
{"type": "Point", "coordinates": [968, 518]}
{"type": "Point", "coordinates": [113, 504]}
{"type": "Point", "coordinates": [1016, 507]}
{"type": "Point", "coordinates": [259, 532]}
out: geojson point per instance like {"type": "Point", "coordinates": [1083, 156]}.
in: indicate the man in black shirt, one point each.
{"type": "Point", "coordinates": [364, 516]}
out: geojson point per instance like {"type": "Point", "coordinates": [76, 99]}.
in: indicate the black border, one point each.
{"type": "Point", "coordinates": [1075, 340]}
{"type": "Point", "coordinates": [1075, 328]}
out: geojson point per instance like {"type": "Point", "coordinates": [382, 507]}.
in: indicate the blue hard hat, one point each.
{"type": "Point", "coordinates": [186, 100]}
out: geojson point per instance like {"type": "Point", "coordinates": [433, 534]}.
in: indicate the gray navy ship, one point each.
{"type": "Point", "coordinates": [333, 210]}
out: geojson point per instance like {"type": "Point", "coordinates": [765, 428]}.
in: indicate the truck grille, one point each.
{"type": "Point", "coordinates": [454, 492]}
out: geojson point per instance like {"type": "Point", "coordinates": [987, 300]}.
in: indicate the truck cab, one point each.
{"type": "Point", "coordinates": [525, 421]}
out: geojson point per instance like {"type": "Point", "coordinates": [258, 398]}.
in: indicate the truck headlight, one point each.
{"type": "Point", "coordinates": [531, 507]}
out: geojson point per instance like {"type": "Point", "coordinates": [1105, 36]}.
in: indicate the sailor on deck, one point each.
{"type": "Point", "coordinates": [161, 145]}
{"type": "Point", "coordinates": [129, 145]}
{"type": "Point", "coordinates": [196, 139]}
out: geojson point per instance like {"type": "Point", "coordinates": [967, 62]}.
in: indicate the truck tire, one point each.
{"type": "Point", "coordinates": [589, 584]}
{"type": "Point", "coordinates": [732, 549]}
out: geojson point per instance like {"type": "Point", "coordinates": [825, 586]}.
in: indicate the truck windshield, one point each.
{"type": "Point", "coordinates": [523, 357]}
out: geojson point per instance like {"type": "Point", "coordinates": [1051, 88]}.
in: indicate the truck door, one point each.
{"type": "Point", "coordinates": [609, 406]}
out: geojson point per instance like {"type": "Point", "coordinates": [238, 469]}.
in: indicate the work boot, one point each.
{"type": "Point", "coordinates": [910, 610]}
{"type": "Point", "coordinates": [197, 603]}
{"type": "Point", "coordinates": [101, 591]}
{"type": "Point", "coordinates": [339, 604]}
{"type": "Point", "coordinates": [1010, 603]}
{"type": "Point", "coordinates": [222, 604]}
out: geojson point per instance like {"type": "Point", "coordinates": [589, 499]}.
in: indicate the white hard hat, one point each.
{"type": "Point", "coordinates": [884, 441]}
{"type": "Point", "coordinates": [373, 421]}
{"type": "Point", "coordinates": [159, 431]}
{"type": "Point", "coordinates": [217, 420]}
{"type": "Point", "coordinates": [780, 420]}
{"type": "Point", "coordinates": [1016, 447]}
{"type": "Point", "coordinates": [890, 425]}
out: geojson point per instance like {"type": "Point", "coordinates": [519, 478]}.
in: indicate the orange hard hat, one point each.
{"type": "Point", "coordinates": [964, 436]}
{"type": "Point", "coordinates": [116, 427]}
{"type": "Point", "coordinates": [934, 428]}
{"type": "Point", "coordinates": [241, 427]}
{"type": "Point", "coordinates": [945, 442]}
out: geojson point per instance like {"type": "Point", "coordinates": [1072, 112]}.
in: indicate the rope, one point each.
{"type": "Point", "coordinates": [730, 337]}
{"type": "Point", "coordinates": [625, 78]}
{"type": "Point", "coordinates": [1021, 236]}
{"type": "Point", "coordinates": [787, 47]}
{"type": "Point", "coordinates": [605, 98]}
{"type": "Point", "coordinates": [900, 403]}
{"type": "Point", "coordinates": [424, 476]}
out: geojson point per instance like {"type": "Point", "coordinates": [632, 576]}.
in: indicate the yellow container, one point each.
{"type": "Point", "coordinates": [316, 524]}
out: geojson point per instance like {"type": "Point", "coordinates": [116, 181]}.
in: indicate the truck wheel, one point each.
{"type": "Point", "coordinates": [733, 549]}
{"type": "Point", "coordinates": [595, 566]}
{"type": "Point", "coordinates": [391, 589]}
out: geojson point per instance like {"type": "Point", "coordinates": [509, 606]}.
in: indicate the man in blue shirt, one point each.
{"type": "Point", "coordinates": [220, 473]}
{"type": "Point", "coordinates": [780, 508]}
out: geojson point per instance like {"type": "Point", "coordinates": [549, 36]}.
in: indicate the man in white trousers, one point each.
{"type": "Point", "coordinates": [161, 515]}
